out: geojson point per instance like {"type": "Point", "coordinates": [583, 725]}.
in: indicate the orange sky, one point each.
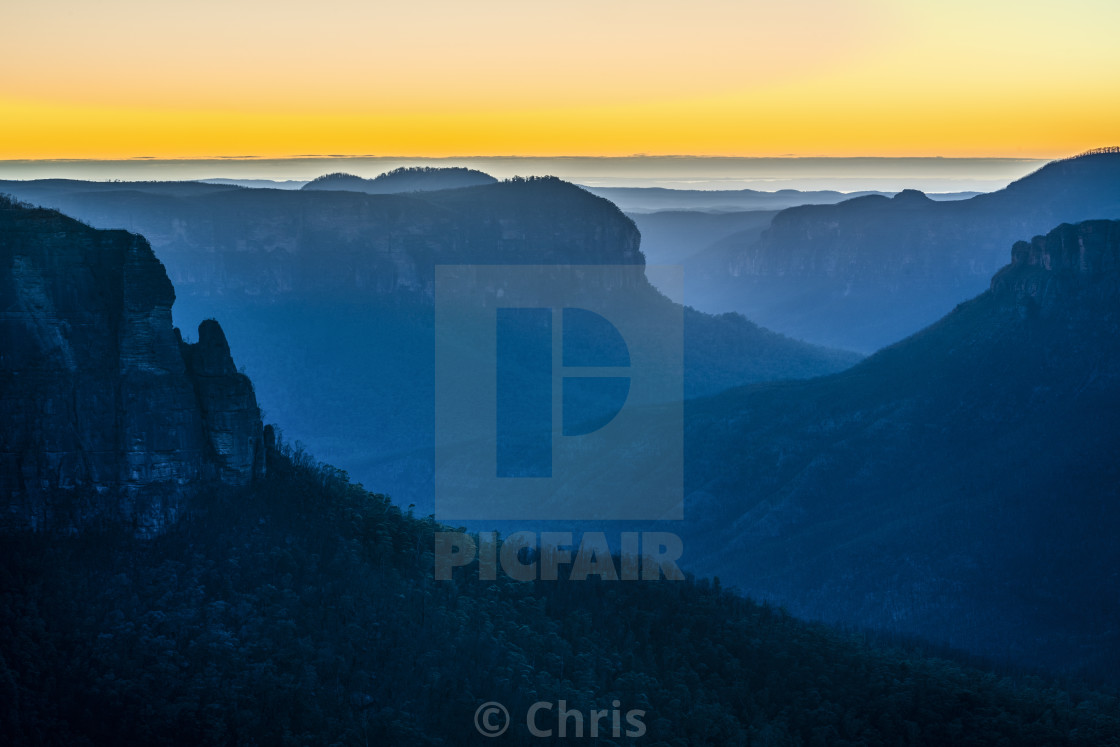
{"type": "Point", "coordinates": [125, 78]}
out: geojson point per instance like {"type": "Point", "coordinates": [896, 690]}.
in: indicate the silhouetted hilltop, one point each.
{"type": "Point", "coordinates": [655, 199]}
{"type": "Point", "coordinates": [961, 485]}
{"type": "Point", "coordinates": [108, 416]}
{"type": "Point", "coordinates": [638, 200]}
{"type": "Point", "coordinates": [327, 297]}
{"type": "Point", "coordinates": [220, 240]}
{"type": "Point", "coordinates": [868, 271]}
{"type": "Point", "coordinates": [403, 179]}
{"type": "Point", "coordinates": [1064, 184]}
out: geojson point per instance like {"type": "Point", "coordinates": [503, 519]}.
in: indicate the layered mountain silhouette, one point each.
{"type": "Point", "coordinates": [403, 179]}
{"type": "Point", "coordinates": [962, 485]}
{"type": "Point", "coordinates": [890, 495]}
{"type": "Point", "coordinates": [289, 606]}
{"type": "Point", "coordinates": [659, 199]}
{"type": "Point", "coordinates": [327, 296]}
{"type": "Point", "coordinates": [869, 271]}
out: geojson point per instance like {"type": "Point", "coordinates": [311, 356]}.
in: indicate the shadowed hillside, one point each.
{"type": "Point", "coordinates": [961, 485]}
{"type": "Point", "coordinates": [327, 296]}
{"type": "Point", "coordinates": [297, 608]}
{"type": "Point", "coordinates": [867, 272]}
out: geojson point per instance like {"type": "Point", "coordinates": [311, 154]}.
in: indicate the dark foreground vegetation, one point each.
{"type": "Point", "coordinates": [305, 612]}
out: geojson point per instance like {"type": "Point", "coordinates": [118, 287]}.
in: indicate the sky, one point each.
{"type": "Point", "coordinates": [121, 79]}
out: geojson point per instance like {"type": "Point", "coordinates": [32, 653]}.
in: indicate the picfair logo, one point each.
{"type": "Point", "coordinates": [558, 394]}
{"type": "Point", "coordinates": [594, 382]}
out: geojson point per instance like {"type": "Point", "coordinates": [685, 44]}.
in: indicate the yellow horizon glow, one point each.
{"type": "Point", "coordinates": [125, 79]}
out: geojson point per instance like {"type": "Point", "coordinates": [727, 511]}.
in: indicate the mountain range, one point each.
{"type": "Point", "coordinates": [656, 199]}
{"type": "Point", "coordinates": [866, 272]}
{"type": "Point", "coordinates": [403, 179]}
{"type": "Point", "coordinates": [282, 604]}
{"type": "Point", "coordinates": [327, 296]}
{"type": "Point", "coordinates": [961, 485]}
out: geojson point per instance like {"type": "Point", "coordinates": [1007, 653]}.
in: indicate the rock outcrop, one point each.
{"type": "Point", "coordinates": [108, 416]}
{"type": "Point", "coordinates": [869, 271]}
{"type": "Point", "coordinates": [1081, 259]}
{"type": "Point", "coordinates": [230, 416]}
{"type": "Point", "coordinates": [328, 297]}
{"type": "Point", "coordinates": [961, 485]}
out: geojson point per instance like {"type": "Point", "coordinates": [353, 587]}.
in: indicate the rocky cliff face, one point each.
{"type": "Point", "coordinates": [229, 242]}
{"type": "Point", "coordinates": [869, 271]}
{"type": "Point", "coordinates": [108, 416]}
{"type": "Point", "coordinates": [1072, 260]}
{"type": "Point", "coordinates": [961, 485]}
{"type": "Point", "coordinates": [327, 296]}
{"type": "Point", "coordinates": [230, 416]}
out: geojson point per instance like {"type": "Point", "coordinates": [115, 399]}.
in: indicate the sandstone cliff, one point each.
{"type": "Point", "coordinates": [869, 271]}
{"type": "Point", "coordinates": [108, 416]}
{"type": "Point", "coordinates": [327, 297]}
{"type": "Point", "coordinates": [221, 242]}
{"type": "Point", "coordinates": [1081, 260]}
{"type": "Point", "coordinates": [961, 485]}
